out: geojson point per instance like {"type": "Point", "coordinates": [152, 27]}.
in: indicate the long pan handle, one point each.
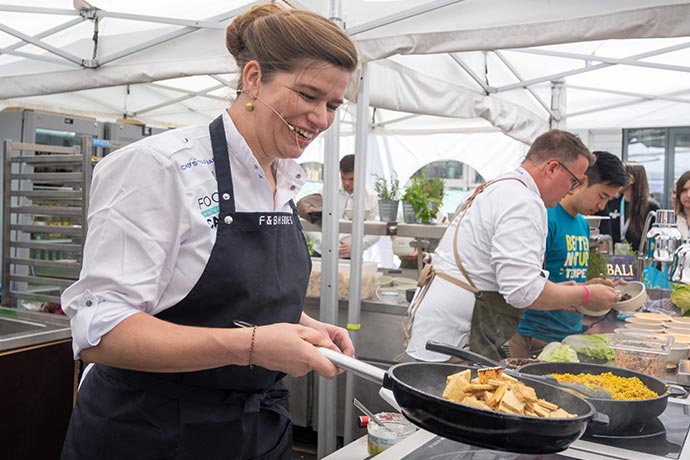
{"type": "Point", "coordinates": [360, 368]}
{"type": "Point", "coordinates": [458, 352]}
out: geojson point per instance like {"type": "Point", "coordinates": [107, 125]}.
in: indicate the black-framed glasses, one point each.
{"type": "Point", "coordinates": [574, 181]}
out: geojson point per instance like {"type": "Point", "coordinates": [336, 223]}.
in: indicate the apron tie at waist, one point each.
{"type": "Point", "coordinates": [268, 400]}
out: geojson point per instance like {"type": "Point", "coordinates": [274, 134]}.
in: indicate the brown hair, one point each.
{"type": "Point", "coordinates": [280, 40]}
{"type": "Point", "coordinates": [558, 145]}
{"type": "Point", "coordinates": [680, 184]}
{"type": "Point", "coordinates": [347, 164]}
{"type": "Point", "coordinates": [640, 198]}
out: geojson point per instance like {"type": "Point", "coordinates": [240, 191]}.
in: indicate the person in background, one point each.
{"type": "Point", "coordinates": [567, 251]}
{"type": "Point", "coordinates": [193, 230]}
{"type": "Point", "coordinates": [488, 265]}
{"type": "Point", "coordinates": [346, 202]}
{"type": "Point", "coordinates": [629, 210]}
{"type": "Point", "coordinates": [681, 204]}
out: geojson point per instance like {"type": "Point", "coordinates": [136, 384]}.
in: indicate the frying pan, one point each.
{"type": "Point", "coordinates": [620, 413]}
{"type": "Point", "coordinates": [418, 389]}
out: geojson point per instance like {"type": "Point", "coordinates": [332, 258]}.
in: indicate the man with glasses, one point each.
{"type": "Point", "coordinates": [567, 253]}
{"type": "Point", "coordinates": [487, 268]}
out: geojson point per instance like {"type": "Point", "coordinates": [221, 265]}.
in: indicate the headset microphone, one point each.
{"type": "Point", "coordinates": [289, 126]}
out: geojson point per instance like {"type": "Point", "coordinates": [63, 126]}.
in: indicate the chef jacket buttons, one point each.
{"type": "Point", "coordinates": [88, 303]}
{"type": "Point", "coordinates": [228, 220]}
{"type": "Point", "coordinates": [226, 196]}
{"type": "Point", "coordinates": [292, 187]}
{"type": "Point", "coordinates": [298, 176]}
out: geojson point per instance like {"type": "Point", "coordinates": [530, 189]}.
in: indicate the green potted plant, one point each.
{"type": "Point", "coordinates": [389, 198]}
{"type": "Point", "coordinates": [422, 199]}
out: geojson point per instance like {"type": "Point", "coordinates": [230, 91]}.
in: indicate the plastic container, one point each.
{"type": "Point", "coordinates": [641, 352]}
{"type": "Point", "coordinates": [379, 438]}
{"type": "Point", "coordinates": [368, 284]}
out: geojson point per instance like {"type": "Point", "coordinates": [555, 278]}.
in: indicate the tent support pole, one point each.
{"type": "Point", "coordinates": [355, 302]}
{"type": "Point", "coordinates": [328, 307]}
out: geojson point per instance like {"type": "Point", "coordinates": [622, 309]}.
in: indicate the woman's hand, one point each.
{"type": "Point", "coordinates": [338, 335]}
{"type": "Point", "coordinates": [291, 348]}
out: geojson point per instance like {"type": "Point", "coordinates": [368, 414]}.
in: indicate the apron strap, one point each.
{"type": "Point", "coordinates": [462, 212]}
{"type": "Point", "coordinates": [428, 273]}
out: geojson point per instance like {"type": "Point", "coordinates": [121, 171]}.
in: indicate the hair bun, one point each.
{"type": "Point", "coordinates": [234, 35]}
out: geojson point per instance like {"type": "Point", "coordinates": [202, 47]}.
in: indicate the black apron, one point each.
{"type": "Point", "coordinates": [257, 272]}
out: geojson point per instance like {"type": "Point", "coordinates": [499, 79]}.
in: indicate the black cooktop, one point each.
{"type": "Point", "coordinates": [662, 437]}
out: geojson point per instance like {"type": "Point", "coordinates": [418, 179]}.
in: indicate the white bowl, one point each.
{"type": "Point", "coordinates": [385, 281]}
{"type": "Point", "coordinates": [587, 312]}
{"type": "Point", "coordinates": [638, 295]}
{"type": "Point", "coordinates": [679, 350]}
{"type": "Point", "coordinates": [652, 316]}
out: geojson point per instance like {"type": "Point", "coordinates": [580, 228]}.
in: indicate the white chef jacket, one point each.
{"type": "Point", "coordinates": [347, 201]}
{"type": "Point", "coordinates": [501, 244]}
{"type": "Point", "coordinates": [152, 224]}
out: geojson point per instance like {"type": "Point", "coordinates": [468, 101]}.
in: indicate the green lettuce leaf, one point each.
{"type": "Point", "coordinates": [558, 352]}
{"type": "Point", "coordinates": [594, 345]}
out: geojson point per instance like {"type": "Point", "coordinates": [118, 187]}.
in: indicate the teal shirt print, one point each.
{"type": "Point", "coordinates": [567, 253]}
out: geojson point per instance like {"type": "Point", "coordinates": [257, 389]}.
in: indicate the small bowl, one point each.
{"type": "Point", "coordinates": [638, 296]}
{"type": "Point", "coordinates": [587, 312]}
{"type": "Point", "coordinates": [679, 350]}
{"type": "Point", "coordinates": [385, 281]}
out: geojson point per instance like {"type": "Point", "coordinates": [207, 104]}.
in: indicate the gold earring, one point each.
{"type": "Point", "coordinates": [249, 106]}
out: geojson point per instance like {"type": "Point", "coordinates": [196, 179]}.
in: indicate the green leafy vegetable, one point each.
{"type": "Point", "coordinates": [594, 345]}
{"type": "Point", "coordinates": [558, 352]}
{"type": "Point", "coordinates": [681, 297]}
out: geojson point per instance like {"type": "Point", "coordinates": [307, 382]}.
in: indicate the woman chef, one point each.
{"type": "Point", "coordinates": [193, 229]}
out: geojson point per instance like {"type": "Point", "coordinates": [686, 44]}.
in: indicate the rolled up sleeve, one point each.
{"type": "Point", "coordinates": [133, 237]}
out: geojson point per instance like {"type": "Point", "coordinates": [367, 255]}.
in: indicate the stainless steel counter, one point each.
{"type": "Point", "coordinates": [20, 328]}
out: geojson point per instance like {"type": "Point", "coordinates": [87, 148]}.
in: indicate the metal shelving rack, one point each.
{"type": "Point", "coordinates": [45, 202]}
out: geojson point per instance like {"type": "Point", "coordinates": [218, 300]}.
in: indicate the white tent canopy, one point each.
{"type": "Point", "coordinates": [487, 63]}
{"type": "Point", "coordinates": [435, 67]}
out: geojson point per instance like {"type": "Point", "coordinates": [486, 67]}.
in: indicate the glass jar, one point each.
{"type": "Point", "coordinates": [380, 439]}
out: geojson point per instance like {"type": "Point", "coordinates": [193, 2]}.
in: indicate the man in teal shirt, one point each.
{"type": "Point", "coordinates": [567, 253]}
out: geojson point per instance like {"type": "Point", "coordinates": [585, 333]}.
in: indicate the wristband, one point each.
{"type": "Point", "coordinates": [251, 349]}
{"type": "Point", "coordinates": [586, 299]}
